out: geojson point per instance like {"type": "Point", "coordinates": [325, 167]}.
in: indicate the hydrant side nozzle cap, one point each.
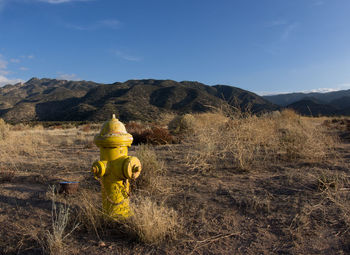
{"type": "Point", "coordinates": [98, 168]}
{"type": "Point", "coordinates": [132, 168]}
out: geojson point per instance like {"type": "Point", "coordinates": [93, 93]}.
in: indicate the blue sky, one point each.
{"type": "Point", "coordinates": [265, 46]}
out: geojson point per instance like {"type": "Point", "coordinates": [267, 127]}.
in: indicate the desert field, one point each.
{"type": "Point", "coordinates": [211, 183]}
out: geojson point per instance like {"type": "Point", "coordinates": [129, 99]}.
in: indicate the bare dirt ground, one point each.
{"type": "Point", "coordinates": [285, 208]}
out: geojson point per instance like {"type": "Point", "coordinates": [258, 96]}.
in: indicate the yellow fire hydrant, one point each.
{"type": "Point", "coordinates": [115, 168]}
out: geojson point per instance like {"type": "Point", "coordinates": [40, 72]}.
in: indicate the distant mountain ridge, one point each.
{"type": "Point", "coordinates": [329, 103]}
{"type": "Point", "coordinates": [287, 99]}
{"type": "Point", "coordinates": [61, 100]}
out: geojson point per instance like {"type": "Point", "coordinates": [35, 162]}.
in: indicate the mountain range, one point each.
{"type": "Point", "coordinates": [315, 104]}
{"type": "Point", "coordinates": [61, 100]}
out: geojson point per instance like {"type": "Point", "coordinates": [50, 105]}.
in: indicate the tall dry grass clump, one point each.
{"type": "Point", "coordinates": [153, 222]}
{"type": "Point", "coordinates": [245, 142]}
{"type": "Point", "coordinates": [4, 130]}
{"type": "Point", "coordinates": [182, 124]}
{"type": "Point", "coordinates": [151, 179]}
{"type": "Point", "coordinates": [300, 139]}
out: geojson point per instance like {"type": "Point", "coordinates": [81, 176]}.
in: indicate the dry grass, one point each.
{"type": "Point", "coordinates": [251, 141]}
{"type": "Point", "coordinates": [54, 239]}
{"type": "Point", "coordinates": [151, 180]}
{"type": "Point", "coordinates": [294, 200]}
{"type": "Point", "coordinates": [182, 124]}
{"type": "Point", "coordinates": [153, 222]}
{"type": "Point", "coordinates": [89, 213]}
{"type": "Point", "coordinates": [324, 223]}
{"type": "Point", "coordinates": [4, 129]}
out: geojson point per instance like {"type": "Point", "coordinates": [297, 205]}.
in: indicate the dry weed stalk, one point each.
{"type": "Point", "coordinates": [332, 207]}
{"type": "Point", "coordinates": [54, 239]}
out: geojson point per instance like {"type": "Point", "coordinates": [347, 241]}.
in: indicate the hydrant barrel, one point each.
{"type": "Point", "coordinates": [115, 168]}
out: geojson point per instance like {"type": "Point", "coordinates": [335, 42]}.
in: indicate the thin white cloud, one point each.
{"type": "Point", "coordinates": [3, 62]}
{"type": "Point", "coordinates": [30, 56]}
{"type": "Point", "coordinates": [318, 3]}
{"type": "Point", "coordinates": [4, 80]}
{"type": "Point", "coordinates": [342, 86]}
{"type": "Point", "coordinates": [110, 23]}
{"type": "Point", "coordinates": [2, 4]}
{"type": "Point", "coordinates": [15, 60]}
{"type": "Point", "coordinates": [289, 29]}
{"type": "Point", "coordinates": [62, 1]}
{"type": "Point", "coordinates": [321, 90]}
{"type": "Point", "coordinates": [69, 77]}
{"type": "Point", "coordinates": [4, 72]}
{"type": "Point", "coordinates": [107, 23]}
{"type": "Point", "coordinates": [276, 23]}
{"type": "Point", "coordinates": [22, 68]}
{"type": "Point", "coordinates": [283, 30]}
{"type": "Point", "coordinates": [127, 57]}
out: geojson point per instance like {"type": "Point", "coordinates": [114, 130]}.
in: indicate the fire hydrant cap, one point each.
{"type": "Point", "coordinates": [113, 134]}
{"type": "Point", "coordinates": [132, 168]}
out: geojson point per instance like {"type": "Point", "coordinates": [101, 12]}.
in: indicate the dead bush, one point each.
{"type": "Point", "coordinates": [85, 128]}
{"type": "Point", "coordinates": [144, 134]}
{"type": "Point", "coordinates": [158, 136]}
{"type": "Point", "coordinates": [182, 124]}
{"type": "Point", "coordinates": [300, 139]}
{"type": "Point", "coordinates": [252, 141]}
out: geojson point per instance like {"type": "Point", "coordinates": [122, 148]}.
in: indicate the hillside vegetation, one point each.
{"type": "Point", "coordinates": [57, 100]}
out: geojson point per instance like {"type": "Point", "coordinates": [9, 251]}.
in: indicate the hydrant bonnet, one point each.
{"type": "Point", "coordinates": [113, 134]}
